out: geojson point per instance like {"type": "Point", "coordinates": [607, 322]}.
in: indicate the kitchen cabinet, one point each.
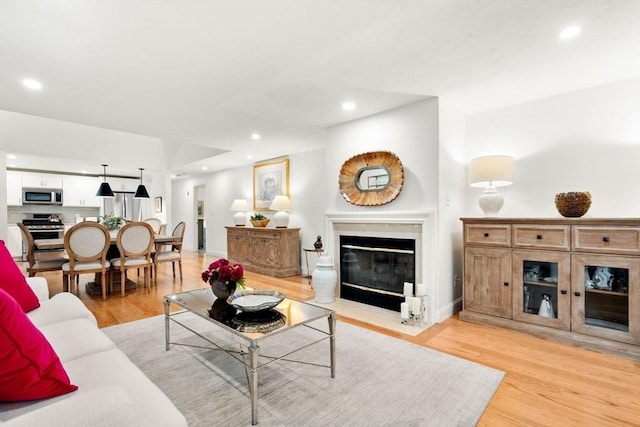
{"type": "Point", "coordinates": [81, 192]}
{"type": "Point", "coordinates": [271, 251]}
{"type": "Point", "coordinates": [38, 180]}
{"type": "Point", "coordinates": [14, 241]}
{"type": "Point", "coordinates": [14, 189]}
{"type": "Point", "coordinates": [571, 280]}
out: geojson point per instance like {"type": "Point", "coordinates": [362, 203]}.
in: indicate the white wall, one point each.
{"type": "Point", "coordinates": [452, 192]}
{"type": "Point", "coordinates": [3, 195]}
{"type": "Point", "coordinates": [583, 140]}
{"type": "Point", "coordinates": [306, 184]}
{"type": "Point", "coordinates": [411, 132]}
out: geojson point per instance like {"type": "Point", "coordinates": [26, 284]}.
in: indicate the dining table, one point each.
{"type": "Point", "coordinates": [159, 240]}
{"type": "Point", "coordinates": [94, 287]}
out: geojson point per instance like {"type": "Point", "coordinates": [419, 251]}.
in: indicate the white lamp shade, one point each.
{"type": "Point", "coordinates": [491, 171]}
{"type": "Point", "coordinates": [239, 205]}
{"type": "Point", "coordinates": [280, 203]}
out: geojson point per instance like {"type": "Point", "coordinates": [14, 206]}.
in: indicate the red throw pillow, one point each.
{"type": "Point", "coordinates": [29, 368]}
{"type": "Point", "coordinates": [13, 281]}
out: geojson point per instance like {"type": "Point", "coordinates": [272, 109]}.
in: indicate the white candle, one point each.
{"type": "Point", "coordinates": [408, 289]}
{"type": "Point", "coordinates": [404, 310]}
{"type": "Point", "coordinates": [416, 305]}
{"type": "Point", "coordinates": [421, 289]}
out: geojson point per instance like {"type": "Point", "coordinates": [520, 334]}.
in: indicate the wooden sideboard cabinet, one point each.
{"type": "Point", "coordinates": [271, 251]}
{"type": "Point", "coordinates": [572, 280]}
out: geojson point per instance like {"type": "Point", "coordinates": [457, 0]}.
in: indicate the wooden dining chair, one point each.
{"type": "Point", "coordinates": [173, 254]}
{"type": "Point", "coordinates": [34, 263]}
{"type": "Point", "coordinates": [155, 223]}
{"type": "Point", "coordinates": [86, 244]}
{"type": "Point", "coordinates": [134, 242]}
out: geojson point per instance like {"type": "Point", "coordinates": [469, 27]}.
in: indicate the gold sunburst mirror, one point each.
{"type": "Point", "coordinates": [371, 179]}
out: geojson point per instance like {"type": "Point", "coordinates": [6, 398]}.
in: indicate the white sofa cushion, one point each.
{"type": "Point", "coordinates": [75, 338]}
{"type": "Point", "coordinates": [152, 406]}
{"type": "Point", "coordinates": [104, 406]}
{"type": "Point", "coordinates": [40, 287]}
{"type": "Point", "coordinates": [60, 307]}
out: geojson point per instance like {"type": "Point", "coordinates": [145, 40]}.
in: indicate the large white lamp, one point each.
{"type": "Point", "coordinates": [240, 206]}
{"type": "Point", "coordinates": [491, 172]}
{"type": "Point", "coordinates": [282, 204]}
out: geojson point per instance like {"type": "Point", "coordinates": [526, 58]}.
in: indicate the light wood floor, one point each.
{"type": "Point", "coordinates": [545, 384]}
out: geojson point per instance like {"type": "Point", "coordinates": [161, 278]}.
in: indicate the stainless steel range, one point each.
{"type": "Point", "coordinates": [44, 226]}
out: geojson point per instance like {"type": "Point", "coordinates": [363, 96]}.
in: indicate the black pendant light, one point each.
{"type": "Point", "coordinates": [141, 192]}
{"type": "Point", "coordinates": [105, 189]}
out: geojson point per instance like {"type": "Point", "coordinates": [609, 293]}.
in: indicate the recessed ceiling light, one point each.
{"type": "Point", "coordinates": [11, 156]}
{"type": "Point", "coordinates": [204, 168]}
{"type": "Point", "coordinates": [348, 105]}
{"type": "Point", "coordinates": [249, 156]}
{"type": "Point", "coordinates": [569, 32]}
{"type": "Point", "coordinates": [255, 136]}
{"type": "Point", "coordinates": [32, 84]}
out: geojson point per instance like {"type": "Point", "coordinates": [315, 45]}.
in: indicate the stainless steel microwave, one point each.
{"type": "Point", "coordinates": [41, 196]}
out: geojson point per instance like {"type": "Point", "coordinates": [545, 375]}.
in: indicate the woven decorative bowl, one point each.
{"type": "Point", "coordinates": [260, 222]}
{"type": "Point", "coordinates": [573, 204]}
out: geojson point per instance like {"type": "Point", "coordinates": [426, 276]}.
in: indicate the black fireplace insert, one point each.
{"type": "Point", "coordinates": [373, 270]}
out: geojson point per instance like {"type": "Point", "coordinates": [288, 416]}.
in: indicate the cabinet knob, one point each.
{"type": "Point", "coordinates": [539, 237]}
{"type": "Point", "coordinates": [563, 292]}
{"type": "Point", "coordinates": [486, 234]}
{"type": "Point", "coordinates": [506, 283]}
{"type": "Point", "coordinates": [605, 239]}
{"type": "Point", "coordinates": [577, 294]}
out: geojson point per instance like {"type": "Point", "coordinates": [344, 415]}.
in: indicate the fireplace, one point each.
{"type": "Point", "coordinates": [373, 269]}
{"type": "Point", "coordinates": [418, 226]}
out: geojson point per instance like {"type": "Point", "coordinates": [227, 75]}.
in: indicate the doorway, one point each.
{"type": "Point", "coordinates": [201, 225]}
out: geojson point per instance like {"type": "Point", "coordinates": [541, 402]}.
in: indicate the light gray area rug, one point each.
{"type": "Point", "coordinates": [379, 380]}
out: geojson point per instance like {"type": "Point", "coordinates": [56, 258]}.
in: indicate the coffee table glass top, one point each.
{"type": "Point", "coordinates": [250, 325]}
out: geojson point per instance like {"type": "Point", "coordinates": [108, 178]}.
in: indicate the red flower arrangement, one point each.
{"type": "Point", "coordinates": [223, 271]}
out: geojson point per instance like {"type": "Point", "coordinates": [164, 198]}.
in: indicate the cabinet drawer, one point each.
{"type": "Point", "coordinates": [490, 235]}
{"type": "Point", "coordinates": [266, 235]}
{"type": "Point", "coordinates": [556, 237]}
{"type": "Point", "coordinates": [239, 232]}
{"type": "Point", "coordinates": [619, 240]}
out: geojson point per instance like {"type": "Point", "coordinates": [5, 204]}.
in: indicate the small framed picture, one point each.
{"type": "Point", "coordinates": [158, 204]}
{"type": "Point", "coordinates": [270, 179]}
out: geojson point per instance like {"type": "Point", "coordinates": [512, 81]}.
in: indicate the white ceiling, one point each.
{"type": "Point", "coordinates": [196, 78]}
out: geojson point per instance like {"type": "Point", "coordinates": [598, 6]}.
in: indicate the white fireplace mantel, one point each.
{"type": "Point", "coordinates": [422, 225]}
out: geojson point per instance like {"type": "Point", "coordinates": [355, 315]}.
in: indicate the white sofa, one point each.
{"type": "Point", "coordinates": [112, 391]}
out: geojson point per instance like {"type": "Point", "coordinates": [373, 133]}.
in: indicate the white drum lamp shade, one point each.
{"type": "Point", "coordinates": [282, 204]}
{"type": "Point", "coordinates": [240, 206]}
{"type": "Point", "coordinates": [490, 172]}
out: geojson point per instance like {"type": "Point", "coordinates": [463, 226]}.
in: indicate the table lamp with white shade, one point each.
{"type": "Point", "coordinates": [282, 204]}
{"type": "Point", "coordinates": [490, 172]}
{"type": "Point", "coordinates": [240, 206]}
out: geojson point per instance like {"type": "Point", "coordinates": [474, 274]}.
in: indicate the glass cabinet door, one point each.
{"type": "Point", "coordinates": [541, 288]}
{"type": "Point", "coordinates": [605, 297]}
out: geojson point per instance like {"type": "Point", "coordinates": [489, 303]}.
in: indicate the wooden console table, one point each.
{"type": "Point", "coordinates": [271, 251]}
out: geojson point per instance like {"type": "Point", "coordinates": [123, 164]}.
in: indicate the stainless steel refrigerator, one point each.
{"type": "Point", "coordinates": [124, 205]}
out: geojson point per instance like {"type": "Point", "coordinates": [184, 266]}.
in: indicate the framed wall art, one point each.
{"type": "Point", "coordinates": [270, 178]}
{"type": "Point", "coordinates": [158, 204]}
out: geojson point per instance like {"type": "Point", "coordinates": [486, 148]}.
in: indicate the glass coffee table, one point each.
{"type": "Point", "coordinates": [252, 327]}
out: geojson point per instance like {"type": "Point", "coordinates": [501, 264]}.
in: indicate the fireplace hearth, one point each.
{"type": "Point", "coordinates": [373, 269]}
